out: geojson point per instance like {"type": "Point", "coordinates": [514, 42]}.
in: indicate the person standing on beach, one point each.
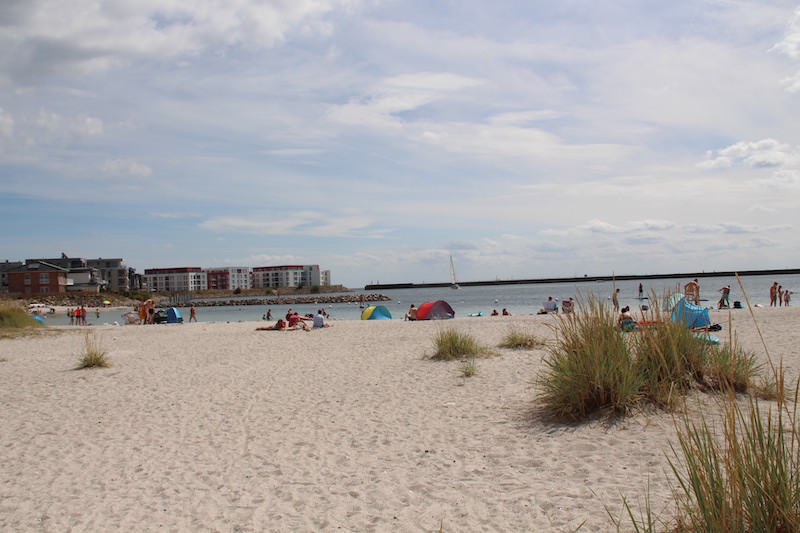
{"type": "Point", "coordinates": [724, 299]}
{"type": "Point", "coordinates": [692, 291]}
{"type": "Point", "coordinates": [641, 292]}
{"type": "Point", "coordinates": [780, 295]}
{"type": "Point", "coordinates": [773, 294]}
{"type": "Point", "coordinates": [615, 300]}
{"type": "Point", "coordinates": [192, 314]}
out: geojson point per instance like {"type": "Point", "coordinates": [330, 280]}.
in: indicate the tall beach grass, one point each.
{"type": "Point", "coordinates": [745, 476]}
{"type": "Point", "coordinates": [589, 367]}
{"type": "Point", "coordinates": [594, 365]}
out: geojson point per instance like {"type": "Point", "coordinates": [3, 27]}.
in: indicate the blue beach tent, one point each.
{"type": "Point", "coordinates": [690, 314]}
{"type": "Point", "coordinates": [168, 316]}
{"type": "Point", "coordinates": [376, 312]}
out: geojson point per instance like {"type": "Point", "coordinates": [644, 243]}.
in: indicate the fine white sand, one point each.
{"type": "Point", "coordinates": [219, 427]}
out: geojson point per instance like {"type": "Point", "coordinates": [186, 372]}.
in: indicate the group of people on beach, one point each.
{"type": "Point", "coordinates": [77, 316]}
{"type": "Point", "coordinates": [778, 296]}
{"type": "Point", "coordinates": [294, 321]}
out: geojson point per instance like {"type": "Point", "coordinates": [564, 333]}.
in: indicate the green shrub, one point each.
{"type": "Point", "coordinates": [452, 344]}
{"type": "Point", "coordinates": [93, 355]}
{"type": "Point", "coordinates": [517, 339]}
{"type": "Point", "coordinates": [590, 366]}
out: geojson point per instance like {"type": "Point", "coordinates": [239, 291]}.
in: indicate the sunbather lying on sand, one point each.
{"type": "Point", "coordinates": [280, 325]}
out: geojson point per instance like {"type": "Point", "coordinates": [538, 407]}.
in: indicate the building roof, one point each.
{"type": "Point", "coordinates": [36, 265]}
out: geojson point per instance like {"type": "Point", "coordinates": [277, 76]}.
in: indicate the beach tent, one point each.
{"type": "Point", "coordinates": [435, 311]}
{"type": "Point", "coordinates": [376, 312]}
{"type": "Point", "coordinates": [690, 314]}
{"type": "Point", "coordinates": [168, 316]}
{"type": "Point", "coordinates": [174, 316]}
{"type": "Point", "coordinates": [672, 301]}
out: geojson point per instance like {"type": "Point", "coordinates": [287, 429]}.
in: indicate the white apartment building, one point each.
{"type": "Point", "coordinates": [184, 279]}
{"type": "Point", "coordinates": [290, 276]}
{"type": "Point", "coordinates": [230, 278]}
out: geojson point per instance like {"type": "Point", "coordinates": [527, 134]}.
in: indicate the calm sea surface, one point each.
{"type": "Point", "coordinates": [517, 299]}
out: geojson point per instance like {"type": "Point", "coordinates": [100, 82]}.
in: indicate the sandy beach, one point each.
{"type": "Point", "coordinates": [219, 427]}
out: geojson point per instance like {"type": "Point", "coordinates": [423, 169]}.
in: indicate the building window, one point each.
{"type": "Point", "coordinates": [44, 290]}
{"type": "Point", "coordinates": [27, 279]}
{"type": "Point", "coordinates": [44, 278]}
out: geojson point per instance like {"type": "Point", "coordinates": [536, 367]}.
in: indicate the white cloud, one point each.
{"type": "Point", "coordinates": [311, 223]}
{"type": "Point", "coordinates": [783, 179]}
{"type": "Point", "coordinates": [790, 44]}
{"type": "Point", "coordinates": [599, 226]}
{"type": "Point", "coordinates": [53, 36]}
{"type": "Point", "coordinates": [759, 154]}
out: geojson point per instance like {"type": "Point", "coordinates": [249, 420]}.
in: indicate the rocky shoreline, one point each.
{"type": "Point", "coordinates": [285, 300]}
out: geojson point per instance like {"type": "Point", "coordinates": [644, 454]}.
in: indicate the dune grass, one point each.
{"type": "Point", "coordinates": [744, 477]}
{"type": "Point", "coordinates": [450, 344]}
{"type": "Point", "coordinates": [15, 322]}
{"type": "Point", "coordinates": [469, 367]}
{"type": "Point", "coordinates": [93, 355]}
{"type": "Point", "coordinates": [520, 340]}
{"type": "Point", "coordinates": [596, 366]}
{"type": "Point", "coordinates": [589, 367]}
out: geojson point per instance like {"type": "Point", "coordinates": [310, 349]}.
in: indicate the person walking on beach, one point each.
{"type": "Point", "coordinates": [615, 300]}
{"type": "Point", "coordinates": [773, 294]}
{"type": "Point", "coordinates": [192, 314]}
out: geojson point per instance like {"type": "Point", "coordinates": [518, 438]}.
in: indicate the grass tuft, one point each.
{"type": "Point", "coordinates": [93, 355]}
{"type": "Point", "coordinates": [520, 340]}
{"type": "Point", "coordinates": [469, 367]}
{"type": "Point", "coordinates": [589, 367]}
{"type": "Point", "coordinates": [453, 344]}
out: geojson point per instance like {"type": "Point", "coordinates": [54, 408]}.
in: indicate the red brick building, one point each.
{"type": "Point", "coordinates": [38, 278]}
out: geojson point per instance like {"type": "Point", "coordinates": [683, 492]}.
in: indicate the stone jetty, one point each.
{"type": "Point", "coordinates": [287, 300]}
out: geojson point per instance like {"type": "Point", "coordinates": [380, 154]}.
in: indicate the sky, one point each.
{"type": "Point", "coordinates": [376, 138]}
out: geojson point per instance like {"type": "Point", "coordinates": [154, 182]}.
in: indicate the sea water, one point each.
{"type": "Point", "coordinates": [473, 300]}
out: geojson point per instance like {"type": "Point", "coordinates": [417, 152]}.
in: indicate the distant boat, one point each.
{"type": "Point", "coordinates": [453, 284]}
